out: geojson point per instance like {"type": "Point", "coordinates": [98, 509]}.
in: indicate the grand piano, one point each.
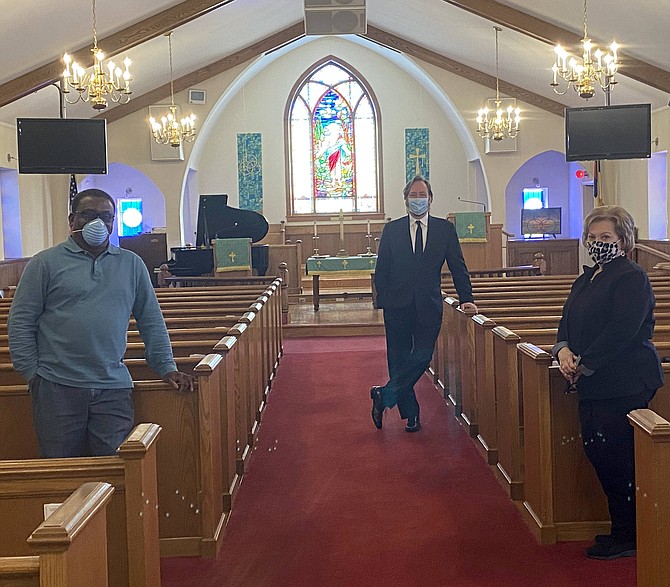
{"type": "Point", "coordinates": [218, 220]}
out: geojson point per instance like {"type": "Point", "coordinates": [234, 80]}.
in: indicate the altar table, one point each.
{"type": "Point", "coordinates": [340, 267]}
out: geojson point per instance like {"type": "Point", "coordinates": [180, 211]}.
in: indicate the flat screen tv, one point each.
{"type": "Point", "coordinates": [608, 132]}
{"type": "Point", "coordinates": [62, 145]}
{"type": "Point", "coordinates": [541, 221]}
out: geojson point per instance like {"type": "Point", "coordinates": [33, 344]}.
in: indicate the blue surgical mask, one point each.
{"type": "Point", "coordinates": [95, 232]}
{"type": "Point", "coordinates": [418, 206]}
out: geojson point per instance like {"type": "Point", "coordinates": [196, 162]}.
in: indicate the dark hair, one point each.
{"type": "Point", "coordinates": [91, 193]}
{"type": "Point", "coordinates": [408, 185]}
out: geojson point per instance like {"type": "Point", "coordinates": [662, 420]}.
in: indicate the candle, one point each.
{"type": "Point", "coordinates": [315, 228]}
{"type": "Point", "coordinates": [369, 227]}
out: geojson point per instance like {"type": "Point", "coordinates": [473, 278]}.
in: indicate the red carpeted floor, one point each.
{"type": "Point", "coordinates": [328, 500]}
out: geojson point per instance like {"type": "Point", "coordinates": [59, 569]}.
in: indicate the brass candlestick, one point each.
{"type": "Point", "coordinates": [315, 238]}
{"type": "Point", "coordinates": [369, 252]}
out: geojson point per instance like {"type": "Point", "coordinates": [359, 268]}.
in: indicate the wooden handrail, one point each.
{"type": "Point", "coordinates": [652, 251]}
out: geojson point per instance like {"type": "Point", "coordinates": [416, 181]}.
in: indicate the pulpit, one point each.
{"type": "Point", "coordinates": [481, 241]}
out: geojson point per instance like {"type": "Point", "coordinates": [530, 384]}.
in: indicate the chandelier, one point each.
{"type": "Point", "coordinates": [170, 130]}
{"type": "Point", "coordinates": [498, 124]}
{"type": "Point", "coordinates": [100, 85]}
{"type": "Point", "coordinates": [595, 68]}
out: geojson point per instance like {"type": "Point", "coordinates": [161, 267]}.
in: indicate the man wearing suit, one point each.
{"type": "Point", "coordinates": [412, 251]}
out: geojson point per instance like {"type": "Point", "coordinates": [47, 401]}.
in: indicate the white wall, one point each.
{"type": "Point", "coordinates": [252, 98]}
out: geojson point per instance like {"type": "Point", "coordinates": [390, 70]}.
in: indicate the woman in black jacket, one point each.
{"type": "Point", "coordinates": [605, 352]}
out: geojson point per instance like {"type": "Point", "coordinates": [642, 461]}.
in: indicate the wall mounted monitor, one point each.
{"type": "Point", "coordinates": [608, 132]}
{"type": "Point", "coordinates": [62, 145]}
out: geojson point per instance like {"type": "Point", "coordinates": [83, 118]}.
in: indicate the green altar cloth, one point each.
{"type": "Point", "coordinates": [340, 265]}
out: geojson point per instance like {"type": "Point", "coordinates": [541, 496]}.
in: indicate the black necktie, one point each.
{"type": "Point", "coordinates": [418, 241]}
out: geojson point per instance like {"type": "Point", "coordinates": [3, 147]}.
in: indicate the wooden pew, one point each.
{"type": "Point", "coordinates": [71, 545]}
{"type": "Point", "coordinates": [197, 478]}
{"type": "Point", "coordinates": [562, 496]}
{"type": "Point", "coordinates": [132, 516]}
{"type": "Point", "coordinates": [652, 499]}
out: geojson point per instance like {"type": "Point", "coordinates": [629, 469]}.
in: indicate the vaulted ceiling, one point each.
{"type": "Point", "coordinates": [212, 36]}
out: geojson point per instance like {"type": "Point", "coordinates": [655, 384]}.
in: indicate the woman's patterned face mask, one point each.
{"type": "Point", "coordinates": [602, 252]}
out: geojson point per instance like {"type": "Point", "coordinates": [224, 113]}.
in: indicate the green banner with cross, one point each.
{"type": "Point", "coordinates": [470, 226]}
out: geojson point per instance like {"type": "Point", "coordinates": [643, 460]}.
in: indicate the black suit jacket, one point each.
{"type": "Point", "coordinates": [400, 279]}
{"type": "Point", "coordinates": [609, 322]}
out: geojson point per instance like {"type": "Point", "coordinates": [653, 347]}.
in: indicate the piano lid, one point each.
{"type": "Point", "coordinates": [218, 220]}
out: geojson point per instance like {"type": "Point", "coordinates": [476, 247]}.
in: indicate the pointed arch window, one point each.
{"type": "Point", "coordinates": [334, 144]}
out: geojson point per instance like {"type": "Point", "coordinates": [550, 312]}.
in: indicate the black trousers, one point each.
{"type": "Point", "coordinates": [409, 348]}
{"type": "Point", "coordinates": [608, 444]}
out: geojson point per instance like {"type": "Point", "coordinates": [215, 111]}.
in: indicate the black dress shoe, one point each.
{"type": "Point", "coordinates": [611, 550]}
{"type": "Point", "coordinates": [377, 406]}
{"type": "Point", "coordinates": [413, 424]}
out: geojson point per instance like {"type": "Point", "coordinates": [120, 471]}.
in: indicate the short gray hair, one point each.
{"type": "Point", "coordinates": [408, 185]}
{"type": "Point", "coordinates": [624, 225]}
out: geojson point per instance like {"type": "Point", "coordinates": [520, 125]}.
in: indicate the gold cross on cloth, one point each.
{"type": "Point", "coordinates": [471, 227]}
{"type": "Point", "coordinates": [232, 256]}
{"type": "Point", "coordinates": [416, 157]}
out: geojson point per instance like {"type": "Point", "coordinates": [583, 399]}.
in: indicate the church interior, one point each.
{"type": "Point", "coordinates": [291, 127]}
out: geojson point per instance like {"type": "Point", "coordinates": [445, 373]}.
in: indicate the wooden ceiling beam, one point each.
{"type": "Point", "coordinates": [546, 32]}
{"type": "Point", "coordinates": [131, 36]}
{"type": "Point", "coordinates": [418, 52]}
{"type": "Point", "coordinates": [270, 43]}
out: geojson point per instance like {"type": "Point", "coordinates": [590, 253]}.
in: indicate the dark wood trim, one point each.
{"type": "Point", "coordinates": [114, 44]}
{"type": "Point", "coordinates": [457, 68]}
{"type": "Point", "coordinates": [289, 34]}
{"type": "Point", "coordinates": [551, 34]}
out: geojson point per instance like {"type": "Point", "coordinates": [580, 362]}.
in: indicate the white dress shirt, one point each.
{"type": "Point", "coordinates": [424, 229]}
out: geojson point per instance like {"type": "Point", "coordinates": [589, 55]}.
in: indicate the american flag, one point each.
{"type": "Point", "coordinates": [73, 189]}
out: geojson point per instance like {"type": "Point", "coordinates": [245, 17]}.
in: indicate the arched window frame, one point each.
{"type": "Point", "coordinates": [293, 97]}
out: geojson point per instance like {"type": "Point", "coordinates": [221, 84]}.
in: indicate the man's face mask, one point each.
{"type": "Point", "coordinates": [418, 206]}
{"type": "Point", "coordinates": [95, 232]}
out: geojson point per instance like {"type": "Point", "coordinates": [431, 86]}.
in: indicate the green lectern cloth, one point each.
{"type": "Point", "coordinates": [470, 226]}
{"type": "Point", "coordinates": [232, 254]}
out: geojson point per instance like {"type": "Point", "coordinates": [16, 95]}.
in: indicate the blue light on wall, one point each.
{"type": "Point", "coordinates": [534, 198]}
{"type": "Point", "coordinates": [129, 213]}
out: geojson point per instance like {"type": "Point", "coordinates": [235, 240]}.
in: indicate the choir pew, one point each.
{"type": "Point", "coordinates": [132, 516]}
{"type": "Point", "coordinates": [71, 545]}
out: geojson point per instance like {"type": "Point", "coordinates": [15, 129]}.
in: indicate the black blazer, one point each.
{"type": "Point", "coordinates": [400, 278]}
{"type": "Point", "coordinates": [609, 322]}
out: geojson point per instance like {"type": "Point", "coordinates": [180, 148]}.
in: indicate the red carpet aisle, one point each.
{"type": "Point", "coordinates": [331, 501]}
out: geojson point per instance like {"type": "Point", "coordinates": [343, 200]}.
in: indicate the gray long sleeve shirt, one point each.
{"type": "Point", "coordinates": [69, 318]}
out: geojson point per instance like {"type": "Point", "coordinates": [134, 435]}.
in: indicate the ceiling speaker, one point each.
{"type": "Point", "coordinates": [335, 22]}
{"type": "Point", "coordinates": [334, 4]}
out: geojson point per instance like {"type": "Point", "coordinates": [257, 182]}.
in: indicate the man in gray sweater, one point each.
{"type": "Point", "coordinates": [67, 334]}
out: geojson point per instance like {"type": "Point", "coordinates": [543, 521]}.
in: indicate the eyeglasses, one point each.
{"type": "Point", "coordinates": [89, 215]}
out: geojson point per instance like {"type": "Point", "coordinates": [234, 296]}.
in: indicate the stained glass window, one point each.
{"type": "Point", "coordinates": [333, 138]}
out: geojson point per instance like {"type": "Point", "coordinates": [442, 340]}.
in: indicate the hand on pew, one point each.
{"type": "Point", "coordinates": [181, 381]}
{"type": "Point", "coordinates": [468, 306]}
